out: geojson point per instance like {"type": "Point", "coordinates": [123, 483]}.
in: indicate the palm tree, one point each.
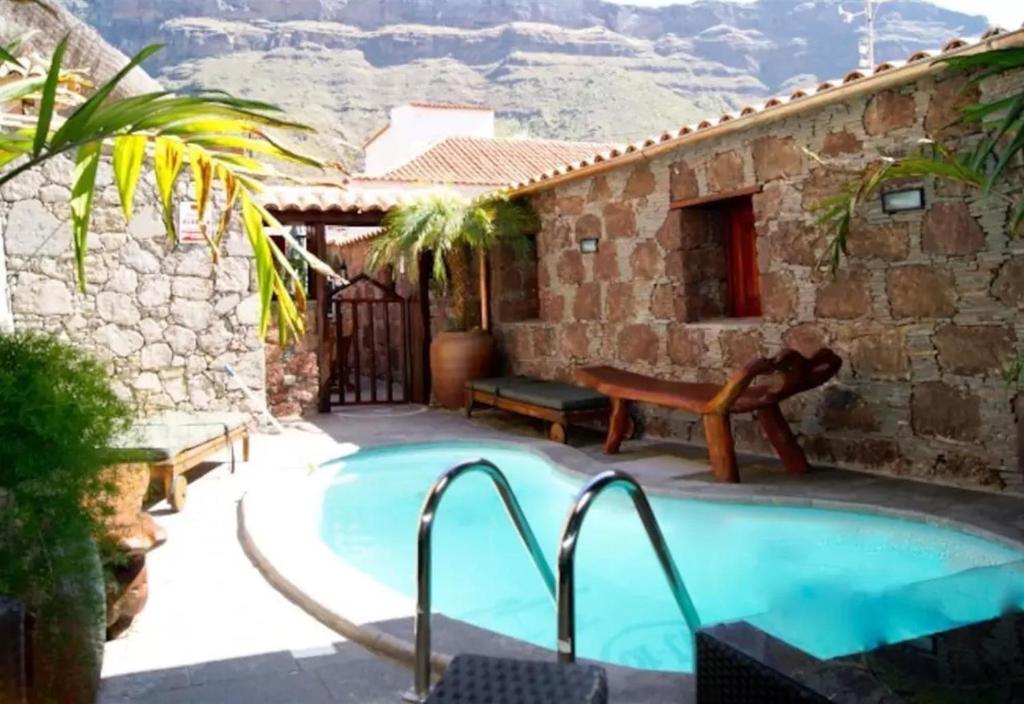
{"type": "Point", "coordinates": [454, 228]}
{"type": "Point", "coordinates": [223, 143]}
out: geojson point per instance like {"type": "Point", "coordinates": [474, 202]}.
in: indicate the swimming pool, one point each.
{"type": "Point", "coordinates": [830, 582]}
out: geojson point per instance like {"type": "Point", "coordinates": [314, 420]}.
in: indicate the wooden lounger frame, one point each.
{"type": "Point", "coordinates": [559, 420]}
{"type": "Point", "coordinates": [169, 472]}
{"type": "Point", "coordinates": [716, 404]}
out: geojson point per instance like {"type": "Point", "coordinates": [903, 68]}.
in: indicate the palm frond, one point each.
{"type": "Point", "coordinates": [221, 142]}
{"type": "Point", "coordinates": [836, 213]}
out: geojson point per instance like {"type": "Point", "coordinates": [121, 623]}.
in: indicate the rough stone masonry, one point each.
{"type": "Point", "coordinates": [926, 311]}
{"type": "Point", "coordinates": [164, 318]}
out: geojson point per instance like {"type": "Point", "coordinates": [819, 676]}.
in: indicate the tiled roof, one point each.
{"type": "Point", "coordinates": [349, 238]}
{"type": "Point", "coordinates": [373, 137]}
{"type": "Point", "coordinates": [481, 161]}
{"type": "Point", "coordinates": [448, 106]}
{"type": "Point", "coordinates": [581, 166]}
{"type": "Point", "coordinates": [336, 199]}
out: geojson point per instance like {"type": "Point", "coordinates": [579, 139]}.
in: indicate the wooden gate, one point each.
{"type": "Point", "coordinates": [372, 346]}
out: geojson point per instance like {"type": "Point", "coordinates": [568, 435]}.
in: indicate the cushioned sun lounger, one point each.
{"type": "Point", "coordinates": [715, 404]}
{"type": "Point", "coordinates": [559, 404]}
{"type": "Point", "coordinates": [174, 442]}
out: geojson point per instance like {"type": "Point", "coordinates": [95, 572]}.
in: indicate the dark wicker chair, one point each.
{"type": "Point", "coordinates": [476, 679]}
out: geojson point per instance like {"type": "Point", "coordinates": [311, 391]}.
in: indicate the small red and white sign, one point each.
{"type": "Point", "coordinates": [188, 223]}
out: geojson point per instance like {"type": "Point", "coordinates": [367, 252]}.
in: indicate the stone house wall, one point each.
{"type": "Point", "coordinates": [165, 319]}
{"type": "Point", "coordinates": [293, 381]}
{"type": "Point", "coordinates": [926, 311]}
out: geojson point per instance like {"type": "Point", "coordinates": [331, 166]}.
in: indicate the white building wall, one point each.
{"type": "Point", "coordinates": [416, 128]}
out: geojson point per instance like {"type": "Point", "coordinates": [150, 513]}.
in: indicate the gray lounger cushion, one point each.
{"type": "Point", "coordinates": [546, 394]}
{"type": "Point", "coordinates": [167, 435]}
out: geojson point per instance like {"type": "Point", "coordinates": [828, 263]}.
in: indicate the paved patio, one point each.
{"type": "Point", "coordinates": [216, 631]}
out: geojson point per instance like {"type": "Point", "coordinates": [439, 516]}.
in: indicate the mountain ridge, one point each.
{"type": "Point", "coordinates": [569, 69]}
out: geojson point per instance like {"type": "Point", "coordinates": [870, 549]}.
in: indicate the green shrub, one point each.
{"type": "Point", "coordinates": [58, 415]}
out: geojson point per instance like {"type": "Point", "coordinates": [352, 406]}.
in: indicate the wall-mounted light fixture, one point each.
{"type": "Point", "coordinates": [589, 245]}
{"type": "Point", "coordinates": [903, 200]}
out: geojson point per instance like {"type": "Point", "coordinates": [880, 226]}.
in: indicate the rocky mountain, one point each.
{"type": "Point", "coordinates": [579, 69]}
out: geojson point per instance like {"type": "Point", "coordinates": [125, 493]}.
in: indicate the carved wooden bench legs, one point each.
{"type": "Point", "coordinates": [717, 431]}
{"type": "Point", "coordinates": [782, 439]}
{"type": "Point", "coordinates": [618, 425]}
{"type": "Point", "coordinates": [718, 435]}
{"type": "Point", "coordinates": [721, 449]}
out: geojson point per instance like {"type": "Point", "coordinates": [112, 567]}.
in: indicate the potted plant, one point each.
{"type": "Point", "coordinates": [58, 415]}
{"type": "Point", "coordinates": [456, 229]}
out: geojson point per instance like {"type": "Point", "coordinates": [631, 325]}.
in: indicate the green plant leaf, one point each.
{"type": "Point", "coordinates": [74, 128]}
{"type": "Point", "coordinates": [82, 194]}
{"type": "Point", "coordinates": [21, 88]}
{"type": "Point", "coordinates": [202, 177]}
{"type": "Point", "coordinates": [47, 104]}
{"type": "Point", "coordinates": [129, 155]}
{"type": "Point", "coordinates": [262, 257]}
{"type": "Point", "coordinates": [168, 160]}
{"type": "Point", "coordinates": [7, 57]}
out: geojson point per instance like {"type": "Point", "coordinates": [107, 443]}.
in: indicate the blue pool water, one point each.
{"type": "Point", "coordinates": [830, 582]}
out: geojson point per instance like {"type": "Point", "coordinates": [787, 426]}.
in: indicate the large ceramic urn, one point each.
{"type": "Point", "coordinates": [458, 357]}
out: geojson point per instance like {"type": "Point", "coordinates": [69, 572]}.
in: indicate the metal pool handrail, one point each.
{"type": "Point", "coordinates": [567, 557]}
{"type": "Point", "coordinates": [423, 555]}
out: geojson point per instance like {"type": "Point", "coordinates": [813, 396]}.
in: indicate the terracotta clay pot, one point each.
{"type": "Point", "coordinates": [458, 357]}
{"type": "Point", "coordinates": [133, 533]}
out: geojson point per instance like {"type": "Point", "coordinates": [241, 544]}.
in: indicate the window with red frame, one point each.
{"type": "Point", "coordinates": [743, 285]}
{"type": "Point", "coordinates": [719, 275]}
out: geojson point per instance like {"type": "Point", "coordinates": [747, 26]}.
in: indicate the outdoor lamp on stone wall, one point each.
{"type": "Point", "coordinates": [903, 200]}
{"type": "Point", "coordinates": [589, 245]}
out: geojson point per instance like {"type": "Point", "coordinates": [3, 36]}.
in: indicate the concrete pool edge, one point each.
{"type": "Point", "coordinates": [343, 611]}
{"type": "Point", "coordinates": [296, 585]}
{"type": "Point", "coordinates": [347, 616]}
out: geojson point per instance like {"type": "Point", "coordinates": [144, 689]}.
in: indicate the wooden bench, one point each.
{"type": "Point", "coordinates": [558, 404]}
{"type": "Point", "coordinates": [172, 443]}
{"type": "Point", "coordinates": [793, 374]}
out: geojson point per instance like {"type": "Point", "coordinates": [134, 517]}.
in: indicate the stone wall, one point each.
{"type": "Point", "coordinates": [165, 319]}
{"type": "Point", "coordinates": [6, 316]}
{"type": "Point", "coordinates": [926, 312]}
{"type": "Point", "coordinates": [293, 381]}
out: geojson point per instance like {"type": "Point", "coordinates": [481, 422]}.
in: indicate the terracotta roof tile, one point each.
{"type": "Point", "coordinates": [489, 161]}
{"type": "Point", "coordinates": [448, 106]}
{"type": "Point", "coordinates": [581, 163]}
{"type": "Point", "coordinates": [338, 199]}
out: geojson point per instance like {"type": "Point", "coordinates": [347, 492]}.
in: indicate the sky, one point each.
{"type": "Point", "coordinates": [1005, 13]}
